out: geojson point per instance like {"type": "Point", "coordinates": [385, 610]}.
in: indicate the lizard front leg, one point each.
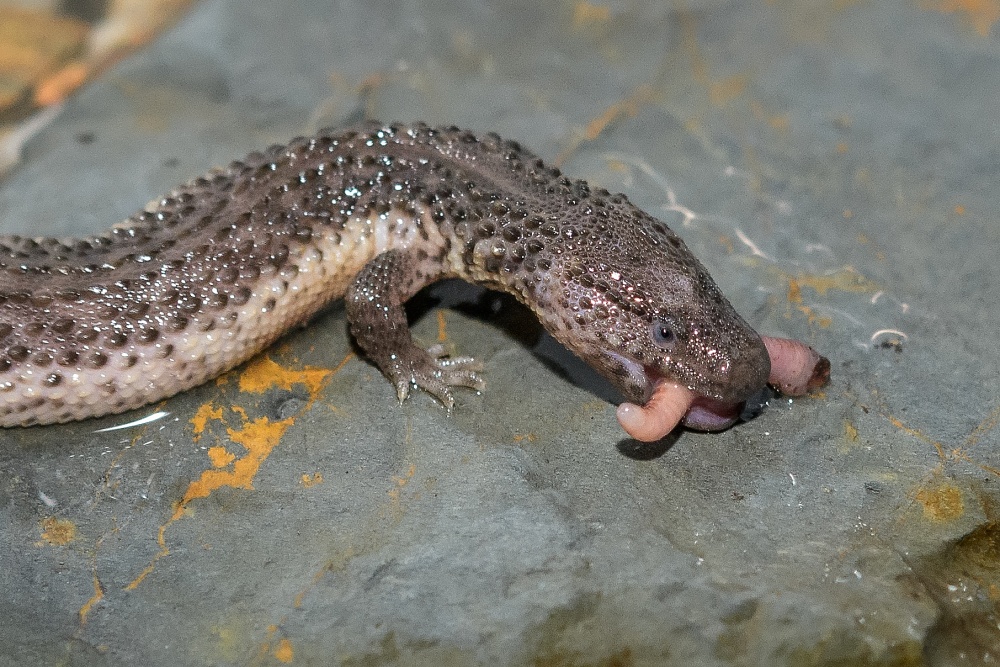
{"type": "Point", "coordinates": [378, 322]}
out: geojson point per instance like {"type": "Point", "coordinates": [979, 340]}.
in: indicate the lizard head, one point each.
{"type": "Point", "coordinates": [637, 306]}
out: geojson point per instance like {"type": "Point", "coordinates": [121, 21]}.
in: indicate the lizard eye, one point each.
{"type": "Point", "coordinates": [663, 334]}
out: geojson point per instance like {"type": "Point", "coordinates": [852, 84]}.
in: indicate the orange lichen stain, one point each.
{"type": "Point", "coordinates": [959, 209]}
{"type": "Point", "coordinates": [842, 147]}
{"type": "Point", "coordinates": [794, 292]}
{"type": "Point", "coordinates": [265, 647]}
{"type": "Point", "coordinates": [982, 428]}
{"type": "Point", "coordinates": [618, 166]}
{"type": "Point", "coordinates": [230, 639]}
{"type": "Point", "coordinates": [283, 651]}
{"type": "Point", "coordinates": [442, 326]}
{"type": "Point", "coordinates": [585, 14]}
{"type": "Point", "coordinates": [721, 93]}
{"type": "Point", "coordinates": [689, 41]}
{"type": "Point", "coordinates": [627, 107]}
{"type": "Point", "coordinates": [982, 14]}
{"type": "Point", "coordinates": [343, 362]}
{"type": "Point", "coordinates": [372, 82]}
{"type": "Point", "coordinates": [335, 564]}
{"type": "Point", "coordinates": [301, 595]}
{"type": "Point", "coordinates": [821, 321]}
{"type": "Point", "coordinates": [310, 481]}
{"type": "Point", "coordinates": [395, 493]}
{"type": "Point", "coordinates": [850, 440]}
{"type": "Point", "coordinates": [941, 503]}
{"type": "Point", "coordinates": [845, 280]}
{"type": "Point", "coordinates": [400, 482]}
{"type": "Point", "coordinates": [60, 85]}
{"type": "Point", "coordinates": [220, 456]}
{"type": "Point", "coordinates": [962, 453]}
{"type": "Point", "coordinates": [259, 437]}
{"type": "Point", "coordinates": [57, 532]}
{"type": "Point", "coordinates": [263, 374]}
{"type": "Point", "coordinates": [164, 551]}
{"type": "Point", "coordinates": [94, 599]}
{"type": "Point", "coordinates": [201, 418]}
{"type": "Point", "coordinates": [530, 437]}
{"type": "Point", "coordinates": [780, 122]}
{"type": "Point", "coordinates": [917, 434]}
{"type": "Point", "coordinates": [850, 431]}
{"type": "Point", "coordinates": [848, 214]}
{"type": "Point", "coordinates": [863, 176]}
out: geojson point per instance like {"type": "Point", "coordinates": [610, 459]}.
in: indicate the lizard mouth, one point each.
{"type": "Point", "coordinates": [703, 413]}
{"type": "Point", "coordinates": [795, 369]}
{"type": "Point", "coordinates": [671, 404]}
{"type": "Point", "coordinates": [709, 414]}
{"type": "Point", "coordinates": [665, 403]}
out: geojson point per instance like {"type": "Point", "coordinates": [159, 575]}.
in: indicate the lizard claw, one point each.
{"type": "Point", "coordinates": [434, 371]}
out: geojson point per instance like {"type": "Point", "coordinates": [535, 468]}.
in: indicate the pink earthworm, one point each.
{"type": "Point", "coordinates": [796, 369]}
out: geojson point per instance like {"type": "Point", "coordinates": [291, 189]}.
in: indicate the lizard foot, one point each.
{"type": "Point", "coordinates": [436, 372]}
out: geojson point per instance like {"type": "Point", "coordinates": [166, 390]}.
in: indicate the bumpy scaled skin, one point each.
{"type": "Point", "coordinates": [211, 274]}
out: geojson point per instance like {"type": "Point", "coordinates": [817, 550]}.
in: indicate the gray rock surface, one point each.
{"type": "Point", "coordinates": [836, 167]}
